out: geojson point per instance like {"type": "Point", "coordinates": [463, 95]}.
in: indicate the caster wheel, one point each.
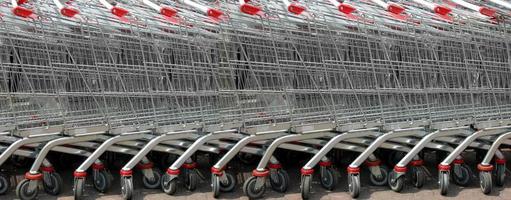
{"type": "Point", "coordinates": [381, 179]}
{"type": "Point", "coordinates": [190, 179]}
{"type": "Point", "coordinates": [229, 184]}
{"type": "Point", "coordinates": [396, 183]}
{"type": "Point", "coordinates": [101, 181]}
{"type": "Point", "coordinates": [78, 188]}
{"type": "Point", "coordinates": [127, 187]}
{"type": "Point", "coordinates": [444, 182]}
{"type": "Point", "coordinates": [249, 188]}
{"type": "Point", "coordinates": [418, 176]}
{"type": "Point", "coordinates": [485, 182]}
{"type": "Point", "coordinates": [500, 175]}
{"type": "Point", "coordinates": [168, 186]}
{"type": "Point", "coordinates": [354, 185]}
{"type": "Point", "coordinates": [23, 192]}
{"type": "Point", "coordinates": [328, 179]}
{"type": "Point", "coordinates": [215, 185]}
{"type": "Point", "coordinates": [305, 186]}
{"type": "Point", "coordinates": [461, 176]}
{"type": "Point", "coordinates": [5, 184]}
{"type": "Point", "coordinates": [52, 184]}
{"type": "Point", "coordinates": [279, 181]}
{"type": "Point", "coordinates": [155, 182]}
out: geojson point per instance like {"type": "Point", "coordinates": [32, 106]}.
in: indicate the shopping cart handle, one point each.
{"type": "Point", "coordinates": [487, 11]}
{"type": "Point", "coordinates": [295, 8]}
{"type": "Point", "coordinates": [214, 13]}
{"type": "Point", "coordinates": [249, 9]}
{"type": "Point", "coordinates": [167, 11]}
{"type": "Point", "coordinates": [442, 10]}
{"type": "Point", "coordinates": [22, 12]}
{"type": "Point", "coordinates": [119, 12]}
{"type": "Point", "coordinates": [69, 11]}
{"type": "Point", "coordinates": [394, 8]}
{"type": "Point", "coordinates": [346, 8]}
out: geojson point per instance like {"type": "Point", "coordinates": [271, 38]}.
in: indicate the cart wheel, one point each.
{"type": "Point", "coordinates": [418, 176]}
{"type": "Point", "coordinates": [380, 180]}
{"type": "Point", "coordinates": [306, 186]}
{"type": "Point", "coordinates": [396, 183]}
{"type": "Point", "coordinates": [5, 184]}
{"type": "Point", "coordinates": [22, 191]}
{"type": "Point", "coordinates": [215, 184]}
{"type": "Point", "coordinates": [102, 181]}
{"type": "Point", "coordinates": [191, 180]}
{"type": "Point", "coordinates": [500, 175]}
{"type": "Point", "coordinates": [485, 182]}
{"type": "Point", "coordinates": [279, 181]}
{"type": "Point", "coordinates": [249, 188]}
{"type": "Point", "coordinates": [354, 185]}
{"type": "Point", "coordinates": [53, 183]}
{"type": "Point", "coordinates": [329, 180]}
{"type": "Point", "coordinates": [155, 182]}
{"type": "Point", "coordinates": [229, 184]}
{"type": "Point", "coordinates": [464, 177]}
{"type": "Point", "coordinates": [169, 186]}
{"type": "Point", "coordinates": [78, 188]}
{"type": "Point", "coordinates": [127, 187]}
{"type": "Point", "coordinates": [444, 182]}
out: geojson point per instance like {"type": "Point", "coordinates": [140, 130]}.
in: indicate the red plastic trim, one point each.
{"type": "Point", "coordinates": [458, 161]}
{"type": "Point", "coordinates": [22, 12]}
{"type": "Point", "coordinates": [346, 8]}
{"type": "Point", "coordinates": [69, 12]}
{"type": "Point", "coordinates": [274, 166]}
{"type": "Point", "coordinates": [500, 161]}
{"type": "Point", "coordinates": [215, 13]}
{"type": "Point", "coordinates": [442, 10]}
{"type": "Point", "coordinates": [325, 163]}
{"type": "Point", "coordinates": [399, 169]}
{"type": "Point", "coordinates": [189, 165]}
{"type": "Point", "coordinates": [373, 163]}
{"type": "Point", "coordinates": [119, 12]}
{"type": "Point", "coordinates": [217, 171]}
{"type": "Point", "coordinates": [485, 168]}
{"type": "Point", "coordinates": [260, 173]}
{"type": "Point", "coordinates": [148, 165]}
{"type": "Point", "coordinates": [167, 11]}
{"type": "Point", "coordinates": [487, 11]}
{"type": "Point", "coordinates": [249, 9]}
{"type": "Point", "coordinates": [77, 174]}
{"type": "Point", "coordinates": [417, 163]}
{"type": "Point", "coordinates": [47, 169]}
{"type": "Point", "coordinates": [306, 171]}
{"type": "Point", "coordinates": [444, 168]}
{"type": "Point", "coordinates": [126, 172]}
{"type": "Point", "coordinates": [30, 176]}
{"type": "Point", "coordinates": [295, 9]}
{"type": "Point", "coordinates": [353, 170]}
{"type": "Point", "coordinates": [22, 2]}
{"type": "Point", "coordinates": [394, 8]}
{"type": "Point", "coordinates": [173, 171]}
{"type": "Point", "coordinates": [97, 166]}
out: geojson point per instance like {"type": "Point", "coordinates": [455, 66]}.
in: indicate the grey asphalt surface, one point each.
{"type": "Point", "coordinates": [203, 192]}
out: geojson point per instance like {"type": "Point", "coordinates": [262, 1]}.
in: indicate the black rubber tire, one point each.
{"type": "Point", "coordinates": [444, 182]}
{"type": "Point", "coordinates": [305, 186]}
{"type": "Point", "coordinates": [78, 188]}
{"type": "Point", "coordinates": [329, 180]}
{"type": "Point", "coordinates": [485, 182]}
{"type": "Point", "coordinates": [154, 183]}
{"type": "Point", "coordinates": [5, 183]}
{"type": "Point", "coordinates": [500, 175]}
{"type": "Point", "coordinates": [280, 181]}
{"type": "Point", "coordinates": [127, 187]}
{"type": "Point", "coordinates": [215, 184]}
{"type": "Point", "coordinates": [54, 186]}
{"type": "Point", "coordinates": [230, 185]}
{"type": "Point", "coordinates": [464, 178]}
{"type": "Point", "coordinates": [380, 181]}
{"type": "Point", "coordinates": [354, 185]}
{"type": "Point", "coordinates": [102, 182]}
{"type": "Point", "coordinates": [169, 186]}
{"type": "Point", "coordinates": [249, 188]}
{"type": "Point", "coordinates": [418, 176]}
{"type": "Point", "coordinates": [396, 184]}
{"type": "Point", "coordinates": [190, 180]}
{"type": "Point", "coordinates": [22, 193]}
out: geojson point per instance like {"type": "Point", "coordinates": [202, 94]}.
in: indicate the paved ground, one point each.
{"type": "Point", "coordinates": [429, 191]}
